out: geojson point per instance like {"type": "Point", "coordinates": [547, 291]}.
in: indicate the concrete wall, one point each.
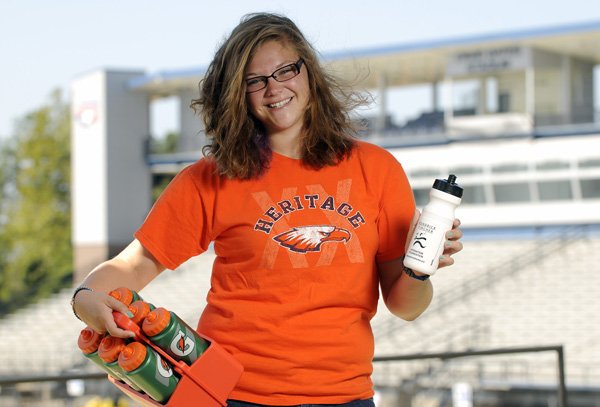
{"type": "Point", "coordinates": [110, 179]}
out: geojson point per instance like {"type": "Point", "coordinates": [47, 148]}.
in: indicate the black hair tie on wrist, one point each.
{"type": "Point", "coordinates": [77, 290]}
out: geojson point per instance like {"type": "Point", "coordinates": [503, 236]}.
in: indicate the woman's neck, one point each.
{"type": "Point", "coordinates": [286, 144]}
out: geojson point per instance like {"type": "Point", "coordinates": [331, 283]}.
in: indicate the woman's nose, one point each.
{"type": "Point", "coordinates": [273, 87]}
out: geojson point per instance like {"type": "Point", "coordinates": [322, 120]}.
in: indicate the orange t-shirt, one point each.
{"type": "Point", "coordinates": [294, 284]}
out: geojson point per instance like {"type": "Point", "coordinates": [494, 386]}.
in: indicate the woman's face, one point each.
{"type": "Point", "coordinates": [280, 106]}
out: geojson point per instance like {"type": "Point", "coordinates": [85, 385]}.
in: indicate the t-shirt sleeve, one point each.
{"type": "Point", "coordinates": [177, 226]}
{"type": "Point", "coordinates": [396, 213]}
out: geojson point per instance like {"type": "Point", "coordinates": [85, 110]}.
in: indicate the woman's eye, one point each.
{"type": "Point", "coordinates": [253, 81]}
{"type": "Point", "coordinates": [286, 70]}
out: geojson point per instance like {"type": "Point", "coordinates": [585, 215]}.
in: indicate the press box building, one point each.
{"type": "Point", "coordinates": [528, 85]}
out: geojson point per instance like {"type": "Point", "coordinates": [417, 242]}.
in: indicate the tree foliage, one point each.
{"type": "Point", "coordinates": [35, 226]}
{"type": "Point", "coordinates": [165, 145]}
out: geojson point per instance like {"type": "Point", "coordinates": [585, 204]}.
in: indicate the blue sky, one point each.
{"type": "Point", "coordinates": [45, 44]}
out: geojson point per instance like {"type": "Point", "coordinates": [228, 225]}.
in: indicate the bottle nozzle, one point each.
{"type": "Point", "coordinates": [449, 186]}
{"type": "Point", "coordinates": [127, 352]}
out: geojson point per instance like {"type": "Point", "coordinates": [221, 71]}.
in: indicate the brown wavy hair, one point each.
{"type": "Point", "coordinates": [238, 141]}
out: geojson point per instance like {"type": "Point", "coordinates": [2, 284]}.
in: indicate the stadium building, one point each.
{"type": "Point", "coordinates": [514, 115]}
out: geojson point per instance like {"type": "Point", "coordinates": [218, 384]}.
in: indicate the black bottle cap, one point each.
{"type": "Point", "coordinates": [449, 186]}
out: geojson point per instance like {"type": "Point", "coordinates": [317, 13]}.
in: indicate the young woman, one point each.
{"type": "Point", "coordinates": [308, 224]}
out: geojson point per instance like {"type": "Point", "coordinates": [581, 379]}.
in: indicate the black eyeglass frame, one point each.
{"type": "Point", "coordinates": [265, 79]}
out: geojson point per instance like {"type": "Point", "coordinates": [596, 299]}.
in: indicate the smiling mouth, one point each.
{"type": "Point", "coordinates": [280, 104]}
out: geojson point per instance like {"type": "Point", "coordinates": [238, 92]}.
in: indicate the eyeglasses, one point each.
{"type": "Point", "coordinates": [285, 73]}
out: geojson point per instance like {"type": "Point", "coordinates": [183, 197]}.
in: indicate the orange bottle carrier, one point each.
{"type": "Point", "coordinates": [207, 382]}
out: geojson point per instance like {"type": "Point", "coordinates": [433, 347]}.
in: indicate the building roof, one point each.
{"type": "Point", "coordinates": [411, 63]}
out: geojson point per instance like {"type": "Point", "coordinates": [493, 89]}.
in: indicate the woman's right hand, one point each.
{"type": "Point", "coordinates": [134, 267]}
{"type": "Point", "coordinates": [95, 309]}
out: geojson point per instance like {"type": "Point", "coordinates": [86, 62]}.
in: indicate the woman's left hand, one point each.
{"type": "Point", "coordinates": [452, 245]}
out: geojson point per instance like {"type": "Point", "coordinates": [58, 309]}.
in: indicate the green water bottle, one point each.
{"type": "Point", "coordinates": [89, 342]}
{"type": "Point", "coordinates": [109, 349]}
{"type": "Point", "coordinates": [140, 310]}
{"type": "Point", "coordinates": [147, 369]}
{"type": "Point", "coordinates": [125, 295]}
{"type": "Point", "coordinates": [173, 335]}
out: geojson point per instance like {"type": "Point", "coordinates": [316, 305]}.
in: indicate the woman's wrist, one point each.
{"type": "Point", "coordinates": [416, 275]}
{"type": "Point", "coordinates": [77, 291]}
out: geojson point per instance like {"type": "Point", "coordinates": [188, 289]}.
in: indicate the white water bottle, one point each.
{"type": "Point", "coordinates": [427, 242]}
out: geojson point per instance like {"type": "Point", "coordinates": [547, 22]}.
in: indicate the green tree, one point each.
{"type": "Point", "coordinates": [35, 226]}
{"type": "Point", "coordinates": [7, 175]}
{"type": "Point", "coordinates": [165, 145]}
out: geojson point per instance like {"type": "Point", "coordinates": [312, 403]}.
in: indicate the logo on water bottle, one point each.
{"type": "Point", "coordinates": [182, 345]}
{"type": "Point", "coordinates": [419, 240]}
{"type": "Point", "coordinates": [163, 368]}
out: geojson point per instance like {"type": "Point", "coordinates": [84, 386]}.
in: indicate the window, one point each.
{"type": "Point", "coordinates": [473, 194]}
{"type": "Point", "coordinates": [503, 102]}
{"type": "Point", "coordinates": [590, 188]}
{"type": "Point", "coordinates": [426, 173]}
{"type": "Point", "coordinates": [421, 196]}
{"type": "Point", "coordinates": [466, 170]}
{"type": "Point", "coordinates": [511, 167]}
{"type": "Point", "coordinates": [512, 192]}
{"type": "Point", "coordinates": [465, 95]}
{"type": "Point", "coordinates": [555, 190]}
{"type": "Point", "coordinates": [552, 165]}
{"type": "Point", "coordinates": [589, 163]}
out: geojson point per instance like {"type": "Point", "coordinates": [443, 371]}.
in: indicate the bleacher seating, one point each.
{"type": "Point", "coordinates": [42, 338]}
{"type": "Point", "coordinates": [551, 299]}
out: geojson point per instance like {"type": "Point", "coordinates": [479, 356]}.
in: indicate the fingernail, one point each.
{"type": "Point", "coordinates": [129, 314]}
{"type": "Point", "coordinates": [441, 257]}
{"type": "Point", "coordinates": [448, 243]}
{"type": "Point", "coordinates": [449, 234]}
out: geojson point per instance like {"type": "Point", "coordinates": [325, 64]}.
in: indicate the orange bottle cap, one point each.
{"type": "Point", "coordinates": [132, 356]}
{"type": "Point", "coordinates": [140, 309]}
{"type": "Point", "coordinates": [156, 321]}
{"type": "Point", "coordinates": [110, 347]}
{"type": "Point", "coordinates": [89, 340]}
{"type": "Point", "coordinates": [122, 294]}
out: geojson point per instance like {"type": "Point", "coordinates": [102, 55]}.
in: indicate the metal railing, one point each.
{"type": "Point", "coordinates": [490, 276]}
{"type": "Point", "coordinates": [444, 356]}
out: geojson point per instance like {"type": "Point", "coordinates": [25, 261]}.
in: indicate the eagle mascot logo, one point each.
{"type": "Point", "coordinates": [304, 239]}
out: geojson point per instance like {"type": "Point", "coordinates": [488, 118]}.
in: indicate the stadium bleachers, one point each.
{"type": "Point", "coordinates": [42, 338]}
{"type": "Point", "coordinates": [551, 298]}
